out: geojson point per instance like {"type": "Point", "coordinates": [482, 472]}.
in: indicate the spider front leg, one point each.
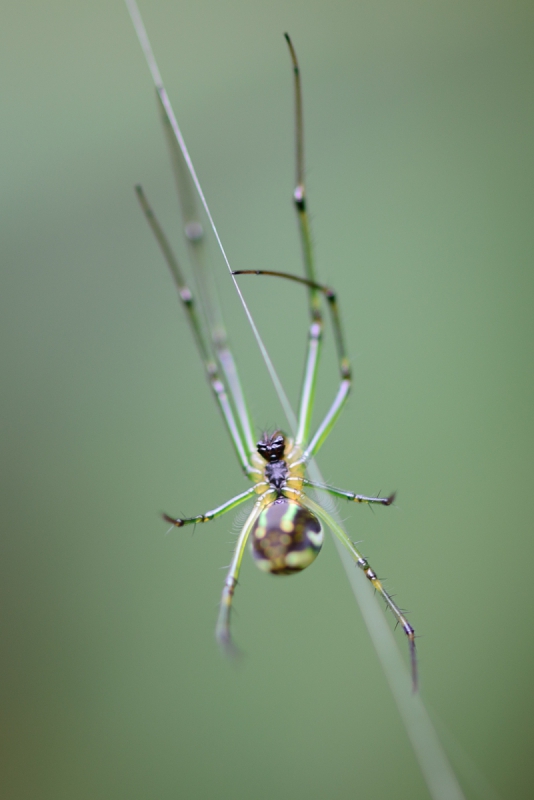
{"type": "Point", "coordinates": [315, 334]}
{"type": "Point", "coordinates": [315, 290]}
{"type": "Point", "coordinates": [241, 436]}
{"type": "Point", "coordinates": [369, 573]}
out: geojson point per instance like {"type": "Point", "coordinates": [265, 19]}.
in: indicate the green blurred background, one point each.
{"type": "Point", "coordinates": [420, 173]}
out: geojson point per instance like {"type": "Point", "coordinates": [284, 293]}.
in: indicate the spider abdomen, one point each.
{"type": "Point", "coordinates": [286, 538]}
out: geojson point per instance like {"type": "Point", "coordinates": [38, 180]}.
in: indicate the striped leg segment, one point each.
{"type": "Point", "coordinates": [216, 512]}
{"type": "Point", "coordinates": [363, 564]}
{"type": "Point", "coordinates": [222, 629]}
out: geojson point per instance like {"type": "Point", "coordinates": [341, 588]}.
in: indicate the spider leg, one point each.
{"type": "Point", "coordinates": [205, 281]}
{"type": "Point", "coordinates": [369, 573]}
{"type": "Point", "coordinates": [216, 512]}
{"type": "Point", "coordinates": [309, 381]}
{"type": "Point", "coordinates": [299, 199]}
{"type": "Point", "coordinates": [222, 629]}
{"type": "Point", "coordinates": [211, 368]}
{"type": "Point", "coordinates": [315, 333]}
{"type": "Point", "coordinates": [355, 498]}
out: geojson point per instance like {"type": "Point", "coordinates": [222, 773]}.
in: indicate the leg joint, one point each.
{"type": "Point", "coordinates": [179, 523]}
{"type": "Point", "coordinates": [316, 328]}
{"type": "Point", "coordinates": [299, 198]}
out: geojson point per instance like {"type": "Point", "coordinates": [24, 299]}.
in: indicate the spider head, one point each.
{"type": "Point", "coordinates": [271, 446]}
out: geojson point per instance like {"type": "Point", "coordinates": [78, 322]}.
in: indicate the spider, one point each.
{"type": "Point", "coordinates": [284, 526]}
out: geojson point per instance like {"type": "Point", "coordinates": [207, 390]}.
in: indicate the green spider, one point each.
{"type": "Point", "coordinates": [285, 525]}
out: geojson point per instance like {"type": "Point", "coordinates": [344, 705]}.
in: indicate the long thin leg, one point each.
{"type": "Point", "coordinates": [310, 372]}
{"type": "Point", "coordinates": [216, 512]}
{"type": "Point", "coordinates": [356, 498]}
{"type": "Point", "coordinates": [329, 421]}
{"type": "Point", "coordinates": [315, 333]}
{"type": "Point", "coordinates": [309, 380]}
{"type": "Point", "coordinates": [222, 629]}
{"type": "Point", "coordinates": [186, 297]}
{"type": "Point", "coordinates": [364, 565]}
{"type": "Point", "coordinates": [205, 281]}
{"type": "Point", "coordinates": [299, 194]}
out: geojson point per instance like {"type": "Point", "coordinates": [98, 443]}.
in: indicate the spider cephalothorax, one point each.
{"type": "Point", "coordinates": [272, 447]}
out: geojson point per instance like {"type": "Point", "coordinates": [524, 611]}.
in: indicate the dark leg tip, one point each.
{"type": "Point", "coordinates": [177, 522]}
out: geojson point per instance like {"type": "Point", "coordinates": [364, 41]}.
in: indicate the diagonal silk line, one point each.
{"type": "Point", "coordinates": [156, 77]}
{"type": "Point", "coordinates": [431, 757]}
{"type": "Point", "coordinates": [433, 762]}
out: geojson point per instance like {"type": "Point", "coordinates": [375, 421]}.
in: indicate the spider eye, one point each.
{"type": "Point", "coordinates": [271, 448]}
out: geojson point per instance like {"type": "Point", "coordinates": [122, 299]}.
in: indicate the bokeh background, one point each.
{"type": "Point", "coordinates": [419, 133]}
